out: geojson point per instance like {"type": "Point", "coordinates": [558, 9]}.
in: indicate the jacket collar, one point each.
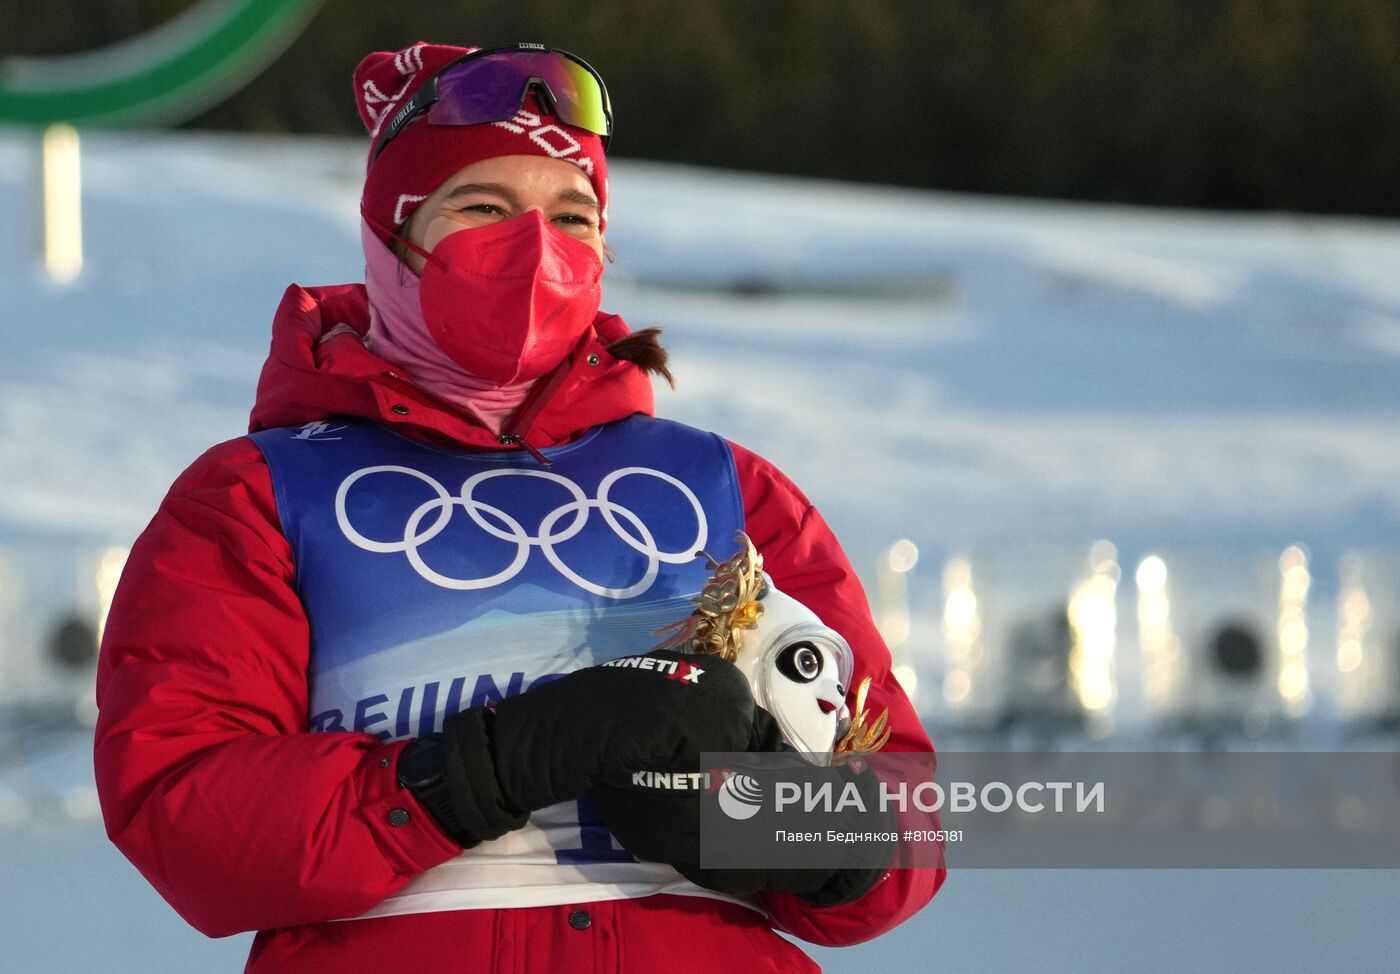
{"type": "Point", "coordinates": [319, 368]}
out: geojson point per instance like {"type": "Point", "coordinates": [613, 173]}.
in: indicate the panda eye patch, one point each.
{"type": "Point", "coordinates": [800, 662]}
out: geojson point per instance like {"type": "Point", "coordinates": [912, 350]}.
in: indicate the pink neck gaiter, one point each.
{"type": "Point", "coordinates": [399, 335]}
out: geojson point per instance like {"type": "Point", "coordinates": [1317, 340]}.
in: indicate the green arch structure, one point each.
{"type": "Point", "coordinates": [161, 77]}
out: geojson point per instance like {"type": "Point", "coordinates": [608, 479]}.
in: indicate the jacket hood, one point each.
{"type": "Point", "coordinates": [319, 367]}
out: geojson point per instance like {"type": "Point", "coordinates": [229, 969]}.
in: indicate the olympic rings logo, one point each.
{"type": "Point", "coordinates": [574, 515]}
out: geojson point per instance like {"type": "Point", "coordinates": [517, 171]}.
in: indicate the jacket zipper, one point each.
{"type": "Point", "coordinates": [534, 404]}
{"type": "Point", "coordinates": [515, 439]}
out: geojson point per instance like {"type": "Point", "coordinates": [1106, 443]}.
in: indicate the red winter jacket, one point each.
{"type": "Point", "coordinates": [212, 785]}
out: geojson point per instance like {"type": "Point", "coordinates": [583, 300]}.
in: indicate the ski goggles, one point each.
{"type": "Point", "coordinates": [490, 85]}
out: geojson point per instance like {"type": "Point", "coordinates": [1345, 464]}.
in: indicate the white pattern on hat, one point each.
{"type": "Point", "coordinates": [409, 62]}
{"type": "Point", "coordinates": [519, 122]}
{"type": "Point", "coordinates": [373, 96]}
{"type": "Point", "coordinates": [405, 199]}
{"type": "Point", "coordinates": [524, 122]}
{"type": "Point", "coordinates": [569, 147]}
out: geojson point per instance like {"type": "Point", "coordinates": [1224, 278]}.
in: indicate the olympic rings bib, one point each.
{"type": "Point", "coordinates": [549, 533]}
{"type": "Point", "coordinates": [396, 542]}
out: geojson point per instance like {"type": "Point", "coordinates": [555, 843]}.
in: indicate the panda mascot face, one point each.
{"type": "Point", "coordinates": [799, 671]}
{"type": "Point", "coordinates": [798, 668]}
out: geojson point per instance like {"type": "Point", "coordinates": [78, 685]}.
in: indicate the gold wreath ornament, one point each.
{"type": "Point", "coordinates": [727, 605]}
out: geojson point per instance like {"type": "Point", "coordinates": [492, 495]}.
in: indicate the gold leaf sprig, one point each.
{"type": "Point", "coordinates": [860, 737]}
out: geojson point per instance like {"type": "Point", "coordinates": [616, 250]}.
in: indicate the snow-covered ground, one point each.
{"type": "Point", "coordinates": [972, 374]}
{"type": "Point", "coordinates": [992, 369]}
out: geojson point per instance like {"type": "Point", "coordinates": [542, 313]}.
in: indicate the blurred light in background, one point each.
{"type": "Point", "coordinates": [962, 633]}
{"type": "Point", "coordinates": [1368, 642]}
{"type": "Point", "coordinates": [109, 572]}
{"type": "Point", "coordinates": [1293, 631]}
{"type": "Point", "coordinates": [892, 616]}
{"type": "Point", "coordinates": [1354, 618]}
{"type": "Point", "coordinates": [63, 203]}
{"type": "Point", "coordinates": [1093, 618]}
{"type": "Point", "coordinates": [1160, 648]}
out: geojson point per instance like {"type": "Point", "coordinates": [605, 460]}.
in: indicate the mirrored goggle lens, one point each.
{"type": "Point", "coordinates": [491, 89]}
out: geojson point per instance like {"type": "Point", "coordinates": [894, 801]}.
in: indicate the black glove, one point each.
{"type": "Point", "coordinates": [552, 743]}
{"type": "Point", "coordinates": [663, 825]}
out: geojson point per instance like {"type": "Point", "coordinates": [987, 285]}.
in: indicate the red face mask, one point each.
{"type": "Point", "coordinates": [510, 301]}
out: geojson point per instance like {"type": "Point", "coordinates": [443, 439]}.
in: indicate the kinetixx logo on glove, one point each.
{"type": "Point", "coordinates": [678, 670]}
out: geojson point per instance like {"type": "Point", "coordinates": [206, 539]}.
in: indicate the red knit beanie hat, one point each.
{"type": "Point", "coordinates": [423, 155]}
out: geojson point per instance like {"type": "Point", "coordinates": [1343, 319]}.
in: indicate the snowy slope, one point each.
{"type": "Point", "coordinates": [989, 372]}
{"type": "Point", "coordinates": [995, 368]}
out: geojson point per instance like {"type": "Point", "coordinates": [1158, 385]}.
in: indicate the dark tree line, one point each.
{"type": "Point", "coordinates": [1275, 104]}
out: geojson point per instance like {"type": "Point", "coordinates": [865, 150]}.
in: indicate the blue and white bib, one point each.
{"type": "Point", "coordinates": [436, 580]}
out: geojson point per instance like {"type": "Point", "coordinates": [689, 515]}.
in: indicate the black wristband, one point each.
{"type": "Point", "coordinates": [423, 771]}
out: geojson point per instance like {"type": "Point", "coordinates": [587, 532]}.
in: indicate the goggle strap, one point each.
{"type": "Point", "coordinates": [403, 116]}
